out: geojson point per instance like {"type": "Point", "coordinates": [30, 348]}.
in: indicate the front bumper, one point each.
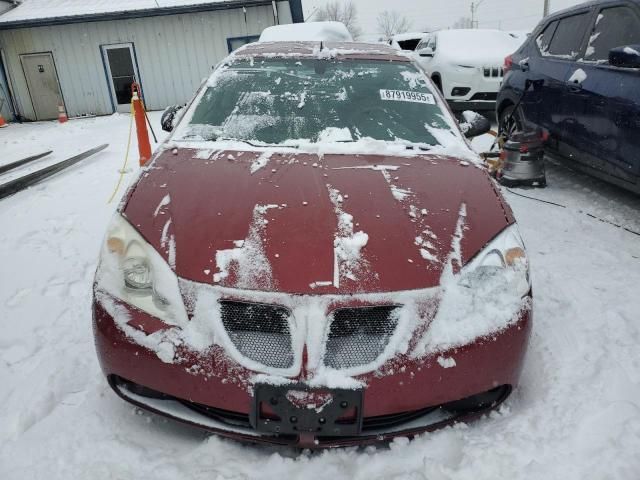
{"type": "Point", "coordinates": [476, 106]}
{"type": "Point", "coordinates": [409, 397]}
{"type": "Point", "coordinates": [481, 91]}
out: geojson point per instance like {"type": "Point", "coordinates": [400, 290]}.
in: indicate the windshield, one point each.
{"type": "Point", "coordinates": [280, 101]}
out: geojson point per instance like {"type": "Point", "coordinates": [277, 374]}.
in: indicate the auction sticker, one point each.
{"type": "Point", "coordinates": [407, 96]}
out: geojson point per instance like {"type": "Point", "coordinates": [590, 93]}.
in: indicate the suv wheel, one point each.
{"type": "Point", "coordinates": [438, 82]}
{"type": "Point", "coordinates": [509, 124]}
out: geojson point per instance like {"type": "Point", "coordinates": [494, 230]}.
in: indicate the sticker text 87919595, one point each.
{"type": "Point", "coordinates": [407, 96]}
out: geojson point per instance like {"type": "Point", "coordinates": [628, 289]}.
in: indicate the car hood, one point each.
{"type": "Point", "coordinates": [310, 224]}
{"type": "Point", "coordinates": [492, 59]}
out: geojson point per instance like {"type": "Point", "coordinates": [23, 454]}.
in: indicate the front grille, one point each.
{"type": "Point", "coordinates": [493, 72]}
{"type": "Point", "coordinates": [358, 336]}
{"type": "Point", "coordinates": [259, 332]}
{"type": "Point", "coordinates": [389, 421]}
{"type": "Point", "coordinates": [225, 416]}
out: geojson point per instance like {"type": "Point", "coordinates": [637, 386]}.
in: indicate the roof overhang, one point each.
{"type": "Point", "coordinates": [152, 12]}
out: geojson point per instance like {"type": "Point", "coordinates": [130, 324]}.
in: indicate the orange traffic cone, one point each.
{"type": "Point", "coordinates": [62, 114]}
{"type": "Point", "coordinates": [3, 123]}
{"type": "Point", "coordinates": [144, 147]}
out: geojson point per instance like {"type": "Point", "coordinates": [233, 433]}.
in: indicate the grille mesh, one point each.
{"type": "Point", "coordinates": [259, 332]}
{"type": "Point", "coordinates": [493, 72]}
{"type": "Point", "coordinates": [358, 336]}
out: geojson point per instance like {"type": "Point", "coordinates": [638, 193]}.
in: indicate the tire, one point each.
{"type": "Point", "coordinates": [515, 123]}
{"type": "Point", "coordinates": [438, 82]}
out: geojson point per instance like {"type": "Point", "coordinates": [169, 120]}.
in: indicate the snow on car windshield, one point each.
{"type": "Point", "coordinates": [279, 101]}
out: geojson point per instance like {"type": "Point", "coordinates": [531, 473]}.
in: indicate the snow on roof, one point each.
{"type": "Point", "coordinates": [401, 37]}
{"type": "Point", "coordinates": [307, 32]}
{"type": "Point", "coordinates": [30, 10]}
{"type": "Point", "coordinates": [302, 49]}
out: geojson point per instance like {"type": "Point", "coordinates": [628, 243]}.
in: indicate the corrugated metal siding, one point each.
{"type": "Point", "coordinates": [174, 54]}
{"type": "Point", "coordinates": [5, 111]}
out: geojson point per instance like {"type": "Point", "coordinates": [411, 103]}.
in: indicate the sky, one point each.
{"type": "Point", "coordinates": [432, 14]}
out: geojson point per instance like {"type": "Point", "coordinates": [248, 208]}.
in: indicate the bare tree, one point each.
{"type": "Point", "coordinates": [463, 22]}
{"type": "Point", "coordinates": [391, 23]}
{"type": "Point", "coordinates": [341, 11]}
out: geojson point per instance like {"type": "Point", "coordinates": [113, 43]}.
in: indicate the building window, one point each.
{"type": "Point", "coordinates": [236, 42]}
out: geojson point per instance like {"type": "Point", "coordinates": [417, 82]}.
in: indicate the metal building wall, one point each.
{"type": "Point", "coordinates": [174, 53]}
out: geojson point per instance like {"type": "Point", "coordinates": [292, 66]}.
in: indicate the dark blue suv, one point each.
{"type": "Point", "coordinates": [581, 72]}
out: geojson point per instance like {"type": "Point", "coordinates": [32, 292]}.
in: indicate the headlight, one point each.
{"type": "Point", "coordinates": [483, 298]}
{"type": "Point", "coordinates": [502, 265]}
{"type": "Point", "coordinates": [133, 271]}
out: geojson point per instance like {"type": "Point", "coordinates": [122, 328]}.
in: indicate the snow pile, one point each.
{"type": "Point", "coordinates": [261, 161]}
{"type": "Point", "coordinates": [307, 32]}
{"type": "Point", "coordinates": [456, 146]}
{"type": "Point", "coordinates": [590, 48]}
{"type": "Point", "coordinates": [578, 76]}
{"type": "Point", "coordinates": [477, 47]}
{"type": "Point", "coordinates": [158, 342]}
{"type": "Point", "coordinates": [166, 200]}
{"type": "Point", "coordinates": [41, 9]}
{"type": "Point", "coordinates": [400, 194]}
{"type": "Point", "coordinates": [247, 260]}
{"type": "Point", "coordinates": [334, 134]}
{"type": "Point", "coordinates": [446, 362]}
{"type": "Point", "coordinates": [347, 243]}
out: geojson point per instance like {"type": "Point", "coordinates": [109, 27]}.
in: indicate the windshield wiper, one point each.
{"type": "Point", "coordinates": [257, 145]}
{"type": "Point", "coordinates": [424, 148]}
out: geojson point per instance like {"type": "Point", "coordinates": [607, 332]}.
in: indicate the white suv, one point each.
{"type": "Point", "coordinates": [467, 65]}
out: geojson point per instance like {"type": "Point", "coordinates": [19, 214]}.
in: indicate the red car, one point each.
{"type": "Point", "coordinates": [314, 258]}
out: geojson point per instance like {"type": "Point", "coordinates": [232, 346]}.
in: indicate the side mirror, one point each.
{"type": "Point", "coordinates": [426, 52]}
{"type": "Point", "coordinates": [170, 117]}
{"type": "Point", "coordinates": [625, 57]}
{"type": "Point", "coordinates": [473, 124]}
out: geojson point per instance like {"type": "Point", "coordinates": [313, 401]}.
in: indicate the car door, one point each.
{"type": "Point", "coordinates": [558, 45]}
{"type": "Point", "coordinates": [606, 98]}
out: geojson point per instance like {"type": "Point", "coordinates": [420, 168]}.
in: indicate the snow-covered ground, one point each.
{"type": "Point", "coordinates": [575, 416]}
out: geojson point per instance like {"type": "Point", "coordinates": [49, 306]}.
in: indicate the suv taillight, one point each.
{"type": "Point", "coordinates": [508, 63]}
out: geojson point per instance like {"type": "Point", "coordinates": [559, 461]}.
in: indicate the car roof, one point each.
{"type": "Point", "coordinates": [408, 36]}
{"type": "Point", "coordinates": [582, 6]}
{"type": "Point", "coordinates": [344, 50]}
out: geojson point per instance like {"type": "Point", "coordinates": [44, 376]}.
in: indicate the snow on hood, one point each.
{"type": "Point", "coordinates": [310, 223]}
{"type": "Point", "coordinates": [477, 47]}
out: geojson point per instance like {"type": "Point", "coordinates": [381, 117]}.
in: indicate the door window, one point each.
{"type": "Point", "coordinates": [433, 43]}
{"type": "Point", "coordinates": [237, 42]}
{"type": "Point", "coordinates": [614, 27]}
{"type": "Point", "coordinates": [544, 39]}
{"type": "Point", "coordinates": [122, 73]}
{"type": "Point", "coordinates": [567, 38]}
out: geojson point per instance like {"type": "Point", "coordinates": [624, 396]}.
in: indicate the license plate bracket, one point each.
{"type": "Point", "coordinates": [276, 411]}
